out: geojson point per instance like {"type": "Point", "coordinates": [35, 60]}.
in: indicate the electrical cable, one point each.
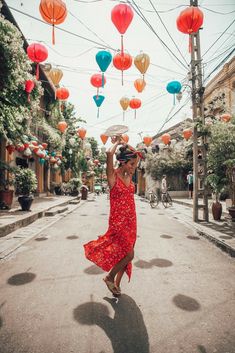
{"type": "Point", "coordinates": [218, 38]}
{"type": "Point", "coordinates": [155, 10]}
{"type": "Point", "coordinates": [140, 14]}
{"type": "Point", "coordinates": [221, 63]}
{"type": "Point", "coordinates": [217, 12]}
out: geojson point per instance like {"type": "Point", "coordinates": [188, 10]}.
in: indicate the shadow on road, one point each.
{"type": "Point", "coordinates": [154, 262]}
{"type": "Point", "coordinates": [186, 303]}
{"type": "Point", "coordinates": [21, 278]}
{"type": "Point", "coordinates": [223, 227]}
{"type": "Point", "coordinates": [93, 270]}
{"type": "Point", "coordinates": [126, 331]}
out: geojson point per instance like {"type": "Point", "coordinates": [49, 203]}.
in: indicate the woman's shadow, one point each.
{"type": "Point", "coordinates": [126, 331]}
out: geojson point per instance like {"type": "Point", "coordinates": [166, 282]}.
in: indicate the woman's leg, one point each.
{"type": "Point", "coordinates": [120, 266]}
{"type": "Point", "coordinates": [119, 278]}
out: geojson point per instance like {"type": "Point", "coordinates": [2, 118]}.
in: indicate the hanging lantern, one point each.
{"type": "Point", "coordinates": [62, 93]}
{"type": "Point", "coordinates": [53, 12]}
{"type": "Point", "coordinates": [142, 62]}
{"type": "Point", "coordinates": [187, 133]}
{"type": "Point", "coordinates": [125, 138]}
{"type": "Point", "coordinates": [27, 152]}
{"type": "Point", "coordinates": [98, 101]}
{"type": "Point", "coordinates": [147, 140]}
{"type": "Point", "coordinates": [103, 59]}
{"type": "Point", "coordinates": [96, 162]}
{"type": "Point", "coordinates": [55, 76]}
{"type": "Point", "coordinates": [37, 53]}
{"type": "Point", "coordinates": [20, 147]}
{"type": "Point", "coordinates": [81, 133]}
{"type": "Point", "coordinates": [124, 101]}
{"type": "Point", "coordinates": [44, 145]}
{"type": "Point", "coordinates": [41, 161]}
{"type": "Point", "coordinates": [190, 20]}
{"type": "Point", "coordinates": [29, 86]}
{"type": "Point", "coordinates": [140, 84]}
{"type": "Point", "coordinates": [166, 138]}
{"type": "Point", "coordinates": [226, 117]}
{"type": "Point", "coordinates": [10, 148]}
{"type": "Point", "coordinates": [62, 126]}
{"type": "Point", "coordinates": [122, 62]}
{"type": "Point", "coordinates": [174, 87]}
{"type": "Point", "coordinates": [135, 103]}
{"type": "Point", "coordinates": [97, 80]}
{"type": "Point", "coordinates": [104, 138]}
{"type": "Point", "coordinates": [72, 141]}
{"type": "Point", "coordinates": [121, 17]}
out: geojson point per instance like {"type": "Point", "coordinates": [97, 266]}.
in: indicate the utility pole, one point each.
{"type": "Point", "coordinates": [199, 140]}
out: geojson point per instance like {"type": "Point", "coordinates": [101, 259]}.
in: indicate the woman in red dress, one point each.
{"type": "Point", "coordinates": [114, 250]}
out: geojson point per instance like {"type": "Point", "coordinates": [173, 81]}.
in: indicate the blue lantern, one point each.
{"type": "Point", "coordinates": [98, 101]}
{"type": "Point", "coordinates": [103, 59]}
{"type": "Point", "coordinates": [174, 87]}
{"type": "Point", "coordinates": [41, 161]}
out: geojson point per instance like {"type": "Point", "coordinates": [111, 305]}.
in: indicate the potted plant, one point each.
{"type": "Point", "coordinates": [74, 184]}
{"type": "Point", "coordinates": [6, 181]}
{"type": "Point", "coordinates": [230, 172]}
{"type": "Point", "coordinates": [217, 185]}
{"type": "Point", "coordinates": [26, 183]}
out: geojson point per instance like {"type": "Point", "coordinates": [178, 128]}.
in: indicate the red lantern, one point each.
{"type": "Point", "coordinates": [147, 140]}
{"type": "Point", "coordinates": [37, 53]}
{"type": "Point", "coordinates": [121, 17]}
{"type": "Point", "coordinates": [190, 20]}
{"type": "Point", "coordinates": [226, 117]}
{"type": "Point", "coordinates": [135, 103]}
{"type": "Point", "coordinates": [53, 12]}
{"type": "Point", "coordinates": [81, 133]}
{"type": "Point", "coordinates": [140, 84]}
{"type": "Point", "coordinates": [166, 138]}
{"type": "Point", "coordinates": [29, 86]}
{"type": "Point", "coordinates": [104, 138]}
{"type": "Point", "coordinates": [20, 147]}
{"type": "Point", "coordinates": [62, 93]}
{"type": "Point", "coordinates": [122, 62]}
{"type": "Point", "coordinates": [62, 126]}
{"type": "Point", "coordinates": [96, 161]}
{"type": "Point", "coordinates": [10, 148]}
{"type": "Point", "coordinates": [187, 133]}
{"type": "Point", "coordinates": [98, 81]}
{"type": "Point", "coordinates": [44, 145]}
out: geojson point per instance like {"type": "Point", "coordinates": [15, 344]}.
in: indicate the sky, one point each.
{"type": "Point", "coordinates": [91, 19]}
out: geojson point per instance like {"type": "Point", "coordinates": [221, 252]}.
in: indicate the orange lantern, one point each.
{"type": "Point", "coordinates": [81, 133]}
{"type": "Point", "coordinates": [142, 62]}
{"type": "Point", "coordinates": [226, 117]}
{"type": "Point", "coordinates": [62, 126]}
{"type": "Point", "coordinates": [166, 138]}
{"type": "Point", "coordinates": [62, 93]}
{"type": "Point", "coordinates": [104, 138]}
{"type": "Point", "coordinates": [135, 103]}
{"type": "Point", "coordinates": [124, 101]}
{"type": "Point", "coordinates": [53, 12]}
{"type": "Point", "coordinates": [125, 138]}
{"type": "Point", "coordinates": [139, 84]}
{"type": "Point", "coordinates": [147, 140]}
{"type": "Point", "coordinates": [187, 133]}
{"type": "Point", "coordinates": [122, 62]}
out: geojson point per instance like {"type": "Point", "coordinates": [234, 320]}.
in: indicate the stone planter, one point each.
{"type": "Point", "coordinates": [6, 198]}
{"type": "Point", "coordinates": [216, 210]}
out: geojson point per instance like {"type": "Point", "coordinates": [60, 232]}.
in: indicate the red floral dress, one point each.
{"type": "Point", "coordinates": [120, 237]}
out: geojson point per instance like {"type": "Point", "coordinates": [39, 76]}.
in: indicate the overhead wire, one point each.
{"type": "Point", "coordinates": [178, 49]}
{"type": "Point", "coordinates": [169, 51]}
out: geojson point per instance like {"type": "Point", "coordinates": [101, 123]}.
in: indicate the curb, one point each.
{"type": "Point", "coordinates": [9, 228]}
{"type": "Point", "coordinates": [183, 203]}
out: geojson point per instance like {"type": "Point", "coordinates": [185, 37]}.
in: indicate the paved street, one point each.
{"type": "Point", "coordinates": [181, 298]}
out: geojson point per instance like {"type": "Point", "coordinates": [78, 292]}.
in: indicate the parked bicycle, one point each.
{"type": "Point", "coordinates": [163, 197]}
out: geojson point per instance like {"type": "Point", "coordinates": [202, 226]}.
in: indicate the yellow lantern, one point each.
{"type": "Point", "coordinates": [55, 76]}
{"type": "Point", "coordinates": [124, 101]}
{"type": "Point", "coordinates": [142, 62]}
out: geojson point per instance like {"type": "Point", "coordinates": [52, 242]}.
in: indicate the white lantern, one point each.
{"type": "Point", "coordinates": [55, 166]}
{"type": "Point", "coordinates": [27, 152]}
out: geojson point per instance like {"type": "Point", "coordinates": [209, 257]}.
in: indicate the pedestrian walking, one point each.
{"type": "Point", "coordinates": [114, 250]}
{"type": "Point", "coordinates": [164, 184]}
{"type": "Point", "coordinates": [190, 184]}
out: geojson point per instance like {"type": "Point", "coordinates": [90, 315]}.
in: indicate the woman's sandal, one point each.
{"type": "Point", "coordinates": [111, 286]}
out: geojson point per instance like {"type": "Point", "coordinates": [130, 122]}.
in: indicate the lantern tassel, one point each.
{"type": "Point", "coordinates": [190, 44]}
{"type": "Point", "coordinates": [29, 97]}
{"type": "Point", "coordinates": [97, 94]}
{"type": "Point", "coordinates": [98, 113]}
{"type": "Point", "coordinates": [135, 113]}
{"type": "Point", "coordinates": [122, 78]}
{"type": "Point", "coordinates": [174, 99]}
{"type": "Point", "coordinates": [122, 51]}
{"type": "Point", "coordinates": [102, 80]}
{"type": "Point", "coordinates": [123, 115]}
{"type": "Point", "coordinates": [53, 34]}
{"type": "Point", "coordinates": [37, 71]}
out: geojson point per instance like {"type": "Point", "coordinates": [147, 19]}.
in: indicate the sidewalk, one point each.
{"type": "Point", "coordinates": [15, 218]}
{"type": "Point", "coordinates": [222, 232]}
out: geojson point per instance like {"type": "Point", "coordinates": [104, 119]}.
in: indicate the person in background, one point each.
{"type": "Point", "coordinates": [164, 184]}
{"type": "Point", "coordinates": [190, 184]}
